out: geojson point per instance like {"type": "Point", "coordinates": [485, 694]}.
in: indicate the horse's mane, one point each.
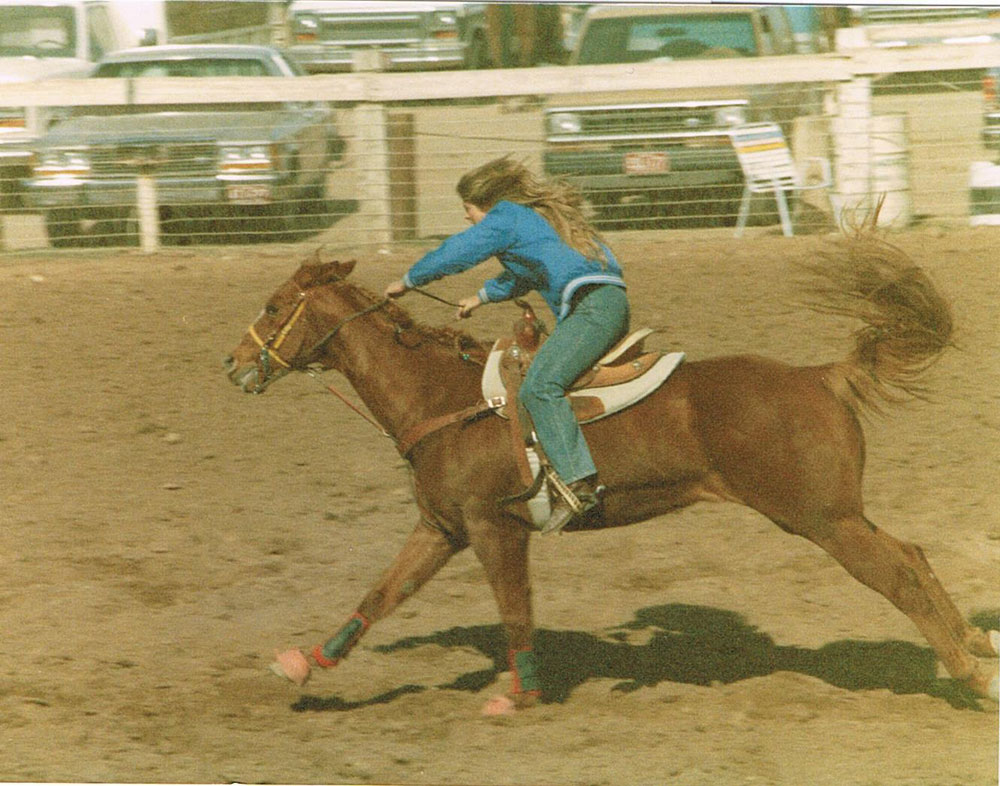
{"type": "Point", "coordinates": [314, 273]}
{"type": "Point", "coordinates": [445, 336]}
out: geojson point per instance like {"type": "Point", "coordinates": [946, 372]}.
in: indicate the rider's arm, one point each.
{"type": "Point", "coordinates": [458, 253]}
{"type": "Point", "coordinates": [504, 287]}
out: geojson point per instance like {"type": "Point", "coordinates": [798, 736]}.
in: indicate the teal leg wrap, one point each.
{"type": "Point", "coordinates": [338, 646]}
{"type": "Point", "coordinates": [524, 666]}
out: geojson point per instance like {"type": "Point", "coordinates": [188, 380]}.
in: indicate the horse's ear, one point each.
{"type": "Point", "coordinates": [314, 273]}
{"type": "Point", "coordinates": [333, 271]}
{"type": "Point", "coordinates": [344, 268]}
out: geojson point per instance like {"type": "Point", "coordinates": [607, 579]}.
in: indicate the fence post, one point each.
{"type": "Point", "coordinates": [372, 152]}
{"type": "Point", "coordinates": [402, 176]}
{"type": "Point", "coordinates": [147, 209]}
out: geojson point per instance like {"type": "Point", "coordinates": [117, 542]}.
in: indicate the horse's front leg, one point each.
{"type": "Point", "coordinates": [424, 554]}
{"type": "Point", "coordinates": [501, 544]}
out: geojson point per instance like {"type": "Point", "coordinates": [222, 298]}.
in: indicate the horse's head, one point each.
{"type": "Point", "coordinates": [287, 334]}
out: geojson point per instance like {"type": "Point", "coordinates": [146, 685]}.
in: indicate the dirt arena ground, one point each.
{"type": "Point", "coordinates": [162, 534]}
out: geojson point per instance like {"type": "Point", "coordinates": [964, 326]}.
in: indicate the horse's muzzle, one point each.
{"type": "Point", "coordinates": [247, 378]}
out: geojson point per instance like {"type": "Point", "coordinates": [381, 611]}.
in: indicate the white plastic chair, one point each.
{"type": "Point", "coordinates": [768, 167]}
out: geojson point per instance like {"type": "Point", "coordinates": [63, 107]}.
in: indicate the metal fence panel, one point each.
{"type": "Point", "coordinates": [896, 123]}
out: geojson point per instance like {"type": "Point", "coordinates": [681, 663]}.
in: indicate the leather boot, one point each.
{"type": "Point", "coordinates": [586, 491]}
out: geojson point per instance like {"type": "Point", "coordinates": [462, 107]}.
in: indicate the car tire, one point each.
{"type": "Point", "coordinates": [63, 227]}
{"type": "Point", "coordinates": [281, 222]}
{"type": "Point", "coordinates": [313, 208]}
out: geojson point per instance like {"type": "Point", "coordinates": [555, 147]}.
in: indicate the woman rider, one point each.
{"type": "Point", "coordinates": [537, 230]}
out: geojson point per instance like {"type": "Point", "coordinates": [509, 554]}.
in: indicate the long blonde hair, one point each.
{"type": "Point", "coordinates": [558, 202]}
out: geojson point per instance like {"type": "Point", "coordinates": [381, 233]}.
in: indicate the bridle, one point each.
{"type": "Point", "coordinates": [269, 347]}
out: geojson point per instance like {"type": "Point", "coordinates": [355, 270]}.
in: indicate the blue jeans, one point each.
{"type": "Point", "coordinates": [598, 320]}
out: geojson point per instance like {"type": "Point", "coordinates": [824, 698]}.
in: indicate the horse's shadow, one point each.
{"type": "Point", "coordinates": [696, 645]}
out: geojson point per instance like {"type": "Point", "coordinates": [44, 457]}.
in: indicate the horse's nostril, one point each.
{"type": "Point", "coordinates": [228, 362]}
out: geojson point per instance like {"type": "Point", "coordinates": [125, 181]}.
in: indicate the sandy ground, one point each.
{"type": "Point", "coordinates": [162, 534]}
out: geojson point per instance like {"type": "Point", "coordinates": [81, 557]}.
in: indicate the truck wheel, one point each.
{"type": "Point", "coordinates": [127, 228]}
{"type": "Point", "coordinates": [63, 227]}
{"type": "Point", "coordinates": [280, 223]}
{"type": "Point", "coordinates": [313, 208]}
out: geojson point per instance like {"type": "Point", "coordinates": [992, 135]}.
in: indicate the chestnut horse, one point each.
{"type": "Point", "coordinates": [783, 440]}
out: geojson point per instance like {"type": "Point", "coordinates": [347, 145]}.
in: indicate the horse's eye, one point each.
{"type": "Point", "coordinates": [271, 310]}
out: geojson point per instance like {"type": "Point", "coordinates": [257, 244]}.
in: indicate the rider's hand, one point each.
{"type": "Point", "coordinates": [395, 289]}
{"type": "Point", "coordinates": [467, 305]}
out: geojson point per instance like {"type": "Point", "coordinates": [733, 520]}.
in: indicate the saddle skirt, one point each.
{"type": "Point", "coordinates": [624, 376]}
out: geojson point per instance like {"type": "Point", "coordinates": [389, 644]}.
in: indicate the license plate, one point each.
{"type": "Point", "coordinates": [248, 193]}
{"type": "Point", "coordinates": [646, 163]}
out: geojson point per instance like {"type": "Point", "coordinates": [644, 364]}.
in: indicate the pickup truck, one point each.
{"type": "Point", "coordinates": [411, 36]}
{"type": "Point", "coordinates": [42, 40]}
{"type": "Point", "coordinates": [640, 158]}
{"type": "Point", "coordinates": [991, 110]}
{"type": "Point", "coordinates": [911, 27]}
{"type": "Point", "coordinates": [245, 159]}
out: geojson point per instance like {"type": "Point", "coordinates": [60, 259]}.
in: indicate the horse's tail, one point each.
{"type": "Point", "coordinates": [907, 322]}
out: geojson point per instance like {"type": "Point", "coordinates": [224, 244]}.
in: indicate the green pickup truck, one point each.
{"type": "Point", "coordinates": [641, 158]}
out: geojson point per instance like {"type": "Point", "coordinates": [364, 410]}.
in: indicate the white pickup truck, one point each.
{"type": "Point", "coordinates": [43, 40]}
{"type": "Point", "coordinates": [410, 35]}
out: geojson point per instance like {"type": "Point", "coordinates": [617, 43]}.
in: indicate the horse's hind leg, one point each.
{"type": "Point", "coordinates": [900, 572]}
{"type": "Point", "coordinates": [424, 554]}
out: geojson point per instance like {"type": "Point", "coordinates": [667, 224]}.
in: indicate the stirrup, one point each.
{"type": "Point", "coordinates": [564, 491]}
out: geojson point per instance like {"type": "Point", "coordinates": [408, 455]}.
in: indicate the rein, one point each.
{"type": "Point", "coordinates": [336, 328]}
{"type": "Point", "coordinates": [312, 373]}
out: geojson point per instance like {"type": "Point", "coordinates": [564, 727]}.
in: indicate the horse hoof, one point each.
{"type": "Point", "coordinates": [291, 664]}
{"type": "Point", "coordinates": [499, 705]}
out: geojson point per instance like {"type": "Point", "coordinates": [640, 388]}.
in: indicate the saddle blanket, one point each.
{"type": "Point", "coordinates": [594, 402]}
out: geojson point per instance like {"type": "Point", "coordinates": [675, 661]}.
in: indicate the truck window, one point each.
{"type": "Point", "coordinates": [673, 37]}
{"type": "Point", "coordinates": [220, 67]}
{"type": "Point", "coordinates": [37, 31]}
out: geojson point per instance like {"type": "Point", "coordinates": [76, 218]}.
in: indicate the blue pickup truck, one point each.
{"type": "Point", "coordinates": [244, 159]}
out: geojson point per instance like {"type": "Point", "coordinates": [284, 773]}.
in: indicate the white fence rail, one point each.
{"type": "Point", "coordinates": [410, 136]}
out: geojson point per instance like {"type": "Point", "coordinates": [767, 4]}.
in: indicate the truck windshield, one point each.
{"type": "Point", "coordinates": [669, 37]}
{"type": "Point", "coordinates": [191, 67]}
{"type": "Point", "coordinates": [184, 67]}
{"type": "Point", "coordinates": [37, 31]}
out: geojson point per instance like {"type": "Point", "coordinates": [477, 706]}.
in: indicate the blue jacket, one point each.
{"type": "Point", "coordinates": [533, 255]}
